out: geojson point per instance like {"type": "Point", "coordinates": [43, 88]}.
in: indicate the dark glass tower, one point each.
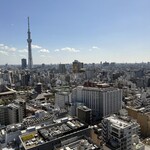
{"type": "Point", "coordinates": [29, 40]}
{"type": "Point", "coordinates": [23, 63]}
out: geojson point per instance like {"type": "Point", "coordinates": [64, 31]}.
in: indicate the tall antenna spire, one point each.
{"type": "Point", "coordinates": [29, 40]}
{"type": "Point", "coordinates": [28, 24]}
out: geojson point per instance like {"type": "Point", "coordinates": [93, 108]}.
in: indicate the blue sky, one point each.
{"type": "Point", "coordinates": [65, 30]}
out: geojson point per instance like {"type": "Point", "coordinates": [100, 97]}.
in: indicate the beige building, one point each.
{"type": "Point", "coordinates": [143, 118]}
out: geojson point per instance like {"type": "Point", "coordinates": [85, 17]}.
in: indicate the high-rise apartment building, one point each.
{"type": "Point", "coordinates": [25, 79]}
{"type": "Point", "coordinates": [119, 133]}
{"type": "Point", "coordinates": [102, 99]}
{"type": "Point", "coordinates": [23, 63]}
{"type": "Point", "coordinates": [15, 113]}
{"type": "Point", "coordinates": [12, 113]}
{"type": "Point", "coordinates": [22, 104]}
{"type": "Point", "coordinates": [4, 115]}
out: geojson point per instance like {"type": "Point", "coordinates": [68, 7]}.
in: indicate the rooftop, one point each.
{"type": "Point", "coordinates": [42, 96]}
{"type": "Point", "coordinates": [50, 133]}
{"type": "Point", "coordinates": [119, 122]}
{"type": "Point", "coordinates": [60, 129]}
{"type": "Point", "coordinates": [145, 110]}
{"type": "Point", "coordinates": [84, 108]}
{"type": "Point", "coordinates": [30, 121]}
{"type": "Point", "coordinates": [100, 89]}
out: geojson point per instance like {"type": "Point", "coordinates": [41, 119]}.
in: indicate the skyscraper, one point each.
{"type": "Point", "coordinates": [23, 63]}
{"type": "Point", "coordinates": [29, 40]}
{"type": "Point", "coordinates": [77, 66]}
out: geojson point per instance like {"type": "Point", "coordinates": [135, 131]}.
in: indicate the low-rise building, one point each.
{"type": "Point", "coordinates": [50, 136]}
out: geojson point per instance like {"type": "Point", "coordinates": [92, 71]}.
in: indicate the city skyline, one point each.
{"type": "Point", "coordinates": [64, 31]}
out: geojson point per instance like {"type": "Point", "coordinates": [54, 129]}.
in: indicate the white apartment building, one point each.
{"type": "Point", "coordinates": [121, 133]}
{"type": "Point", "coordinates": [103, 101]}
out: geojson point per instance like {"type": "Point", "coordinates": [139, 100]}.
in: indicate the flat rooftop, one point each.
{"type": "Point", "coordinates": [118, 122]}
{"type": "Point", "coordinates": [50, 133]}
{"type": "Point", "coordinates": [61, 129]}
{"type": "Point", "coordinates": [31, 140]}
{"type": "Point", "coordinates": [84, 108]}
{"type": "Point", "coordinates": [27, 122]}
{"type": "Point", "coordinates": [101, 89]}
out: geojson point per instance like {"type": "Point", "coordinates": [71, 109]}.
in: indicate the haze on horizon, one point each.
{"type": "Point", "coordinates": [68, 30]}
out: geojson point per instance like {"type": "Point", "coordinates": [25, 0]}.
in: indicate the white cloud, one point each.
{"type": "Point", "coordinates": [44, 50]}
{"type": "Point", "coordinates": [13, 54]}
{"type": "Point", "coordinates": [3, 52]}
{"type": "Point", "coordinates": [69, 49]}
{"type": "Point", "coordinates": [5, 47]}
{"type": "Point", "coordinates": [23, 56]}
{"type": "Point", "coordinates": [57, 50]}
{"type": "Point", "coordinates": [36, 47]}
{"type": "Point", "coordinates": [23, 51]}
{"type": "Point", "coordinates": [42, 56]}
{"type": "Point", "coordinates": [1, 45]}
{"type": "Point", "coordinates": [13, 49]}
{"type": "Point", "coordinates": [95, 47]}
